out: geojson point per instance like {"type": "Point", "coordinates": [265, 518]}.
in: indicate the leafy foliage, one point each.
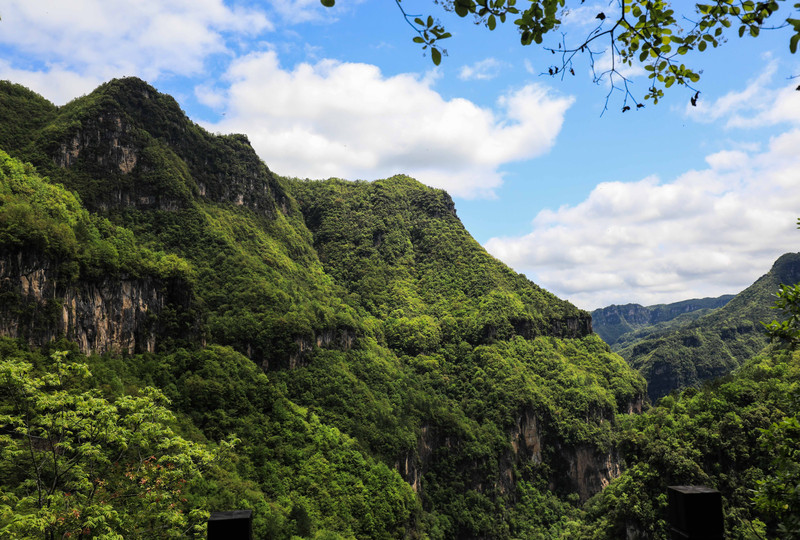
{"type": "Point", "coordinates": [643, 32]}
{"type": "Point", "coordinates": [44, 217]}
{"type": "Point", "coordinates": [788, 329]}
{"type": "Point", "coordinates": [75, 463]}
{"type": "Point", "coordinates": [735, 435]}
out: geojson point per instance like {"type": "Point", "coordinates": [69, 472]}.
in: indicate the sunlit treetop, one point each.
{"type": "Point", "coordinates": [654, 34]}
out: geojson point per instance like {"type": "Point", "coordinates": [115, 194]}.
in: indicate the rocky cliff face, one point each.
{"type": "Point", "coordinates": [590, 470]}
{"type": "Point", "coordinates": [340, 339]}
{"type": "Point", "coordinates": [101, 315]}
{"type": "Point", "coordinates": [582, 469]}
{"type": "Point", "coordinates": [144, 134]}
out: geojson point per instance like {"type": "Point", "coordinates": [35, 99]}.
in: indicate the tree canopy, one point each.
{"type": "Point", "coordinates": [654, 34]}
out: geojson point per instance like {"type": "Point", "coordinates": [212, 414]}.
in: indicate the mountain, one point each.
{"type": "Point", "coordinates": [385, 376]}
{"type": "Point", "coordinates": [713, 344]}
{"type": "Point", "coordinates": [619, 324]}
{"type": "Point", "coordinates": [184, 331]}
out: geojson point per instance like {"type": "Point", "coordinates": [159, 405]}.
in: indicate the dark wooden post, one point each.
{"type": "Point", "coordinates": [233, 525]}
{"type": "Point", "coordinates": [695, 513]}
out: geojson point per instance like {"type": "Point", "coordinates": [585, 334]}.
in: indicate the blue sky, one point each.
{"type": "Point", "coordinates": [654, 205]}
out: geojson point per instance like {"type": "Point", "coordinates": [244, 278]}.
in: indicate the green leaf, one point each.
{"type": "Point", "coordinates": [436, 56]}
{"type": "Point", "coordinates": [327, 3]}
{"type": "Point", "coordinates": [793, 43]}
{"type": "Point", "coordinates": [491, 22]}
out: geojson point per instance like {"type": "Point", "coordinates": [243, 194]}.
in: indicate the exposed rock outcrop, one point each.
{"type": "Point", "coordinates": [108, 140]}
{"type": "Point", "coordinates": [526, 439]}
{"type": "Point", "coordinates": [584, 469]}
{"type": "Point", "coordinates": [341, 339]}
{"type": "Point", "coordinates": [590, 469]}
{"type": "Point", "coordinates": [101, 315]}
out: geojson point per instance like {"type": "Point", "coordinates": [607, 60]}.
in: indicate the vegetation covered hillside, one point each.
{"type": "Point", "coordinates": [383, 375]}
{"type": "Point", "coordinates": [739, 434]}
{"type": "Point", "coordinates": [686, 352]}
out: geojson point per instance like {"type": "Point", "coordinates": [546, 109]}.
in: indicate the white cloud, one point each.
{"type": "Point", "coordinates": [85, 41]}
{"type": "Point", "coordinates": [529, 67]}
{"type": "Point", "coordinates": [482, 70]}
{"type": "Point", "coordinates": [57, 84]}
{"type": "Point", "coordinates": [349, 120]}
{"type": "Point", "coordinates": [759, 104]}
{"type": "Point", "coordinates": [584, 16]}
{"type": "Point", "coordinates": [300, 11]}
{"type": "Point", "coordinates": [706, 233]}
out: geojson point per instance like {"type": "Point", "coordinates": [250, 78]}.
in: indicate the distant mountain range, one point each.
{"type": "Point", "coordinates": [618, 324]}
{"type": "Point", "coordinates": [682, 344]}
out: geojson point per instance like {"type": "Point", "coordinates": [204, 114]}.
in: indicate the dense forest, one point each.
{"type": "Point", "coordinates": [185, 331]}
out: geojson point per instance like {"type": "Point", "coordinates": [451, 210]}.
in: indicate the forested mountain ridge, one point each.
{"type": "Point", "coordinates": [414, 385]}
{"type": "Point", "coordinates": [619, 324]}
{"type": "Point", "coordinates": [412, 237]}
{"type": "Point", "coordinates": [712, 345]}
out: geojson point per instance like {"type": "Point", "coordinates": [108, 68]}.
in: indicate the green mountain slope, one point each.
{"type": "Point", "coordinates": [713, 344]}
{"type": "Point", "coordinates": [414, 386]}
{"type": "Point", "coordinates": [402, 251]}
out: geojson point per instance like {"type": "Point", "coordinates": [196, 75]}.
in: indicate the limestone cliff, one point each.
{"type": "Point", "coordinates": [584, 469]}
{"type": "Point", "coordinates": [106, 314]}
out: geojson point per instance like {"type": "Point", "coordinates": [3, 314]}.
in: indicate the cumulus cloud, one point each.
{"type": "Point", "coordinates": [706, 233]}
{"type": "Point", "coordinates": [349, 120]}
{"type": "Point", "coordinates": [760, 103]}
{"type": "Point", "coordinates": [75, 44]}
{"type": "Point", "coordinates": [482, 70]}
{"type": "Point", "coordinates": [57, 84]}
